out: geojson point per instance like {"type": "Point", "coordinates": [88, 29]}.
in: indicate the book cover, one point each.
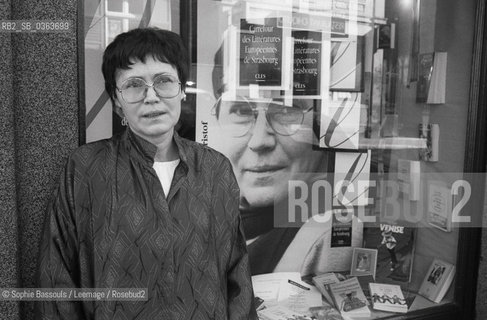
{"type": "Point", "coordinates": [437, 280]}
{"type": "Point", "coordinates": [424, 76]}
{"type": "Point", "coordinates": [364, 262]}
{"type": "Point", "coordinates": [431, 134]}
{"type": "Point", "coordinates": [439, 206]}
{"type": "Point", "coordinates": [409, 178]}
{"type": "Point", "coordinates": [322, 283]}
{"type": "Point", "coordinates": [281, 313]}
{"type": "Point", "coordinates": [298, 296]}
{"type": "Point", "coordinates": [353, 167]}
{"type": "Point", "coordinates": [307, 63]}
{"type": "Point", "coordinates": [286, 290]}
{"type": "Point", "coordinates": [341, 233]}
{"type": "Point", "coordinates": [437, 89]}
{"type": "Point", "coordinates": [364, 283]}
{"type": "Point", "coordinates": [325, 312]}
{"type": "Point", "coordinates": [395, 245]}
{"type": "Point", "coordinates": [387, 297]}
{"type": "Point", "coordinates": [347, 65]}
{"type": "Point", "coordinates": [349, 298]}
{"type": "Point", "coordinates": [386, 36]}
{"type": "Point", "coordinates": [267, 286]}
{"type": "Point", "coordinates": [261, 52]}
{"type": "Point", "coordinates": [339, 125]}
{"type": "Point", "coordinates": [431, 85]}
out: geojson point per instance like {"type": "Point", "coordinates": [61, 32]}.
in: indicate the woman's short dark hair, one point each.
{"type": "Point", "coordinates": [135, 45]}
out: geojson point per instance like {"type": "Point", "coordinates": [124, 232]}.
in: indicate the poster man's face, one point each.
{"type": "Point", "coordinates": [268, 148]}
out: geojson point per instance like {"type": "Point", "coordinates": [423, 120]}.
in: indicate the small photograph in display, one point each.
{"type": "Point", "coordinates": [364, 262]}
{"type": "Point", "coordinates": [436, 274]}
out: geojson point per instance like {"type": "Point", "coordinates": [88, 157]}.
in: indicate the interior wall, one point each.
{"type": "Point", "coordinates": [39, 107]}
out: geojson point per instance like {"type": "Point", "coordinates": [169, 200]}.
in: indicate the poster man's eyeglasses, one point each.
{"type": "Point", "coordinates": [135, 89]}
{"type": "Point", "coordinates": [238, 117]}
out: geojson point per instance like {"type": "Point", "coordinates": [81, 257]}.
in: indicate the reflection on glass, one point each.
{"type": "Point", "coordinates": [237, 117]}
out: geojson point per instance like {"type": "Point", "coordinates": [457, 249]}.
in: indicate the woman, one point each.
{"type": "Point", "coordinates": [147, 209]}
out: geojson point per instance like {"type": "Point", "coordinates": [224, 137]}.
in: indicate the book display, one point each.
{"type": "Point", "coordinates": [345, 296]}
{"type": "Point", "coordinates": [283, 295]}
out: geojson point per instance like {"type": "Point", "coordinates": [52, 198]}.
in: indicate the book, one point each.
{"type": "Point", "coordinates": [364, 283]}
{"type": "Point", "coordinates": [322, 283]}
{"type": "Point", "coordinates": [437, 280]}
{"type": "Point", "coordinates": [286, 290]}
{"type": "Point", "coordinates": [425, 70]}
{"type": "Point", "coordinates": [280, 313]}
{"type": "Point", "coordinates": [437, 89]}
{"type": "Point", "coordinates": [349, 298]}
{"type": "Point", "coordinates": [307, 63]}
{"type": "Point", "coordinates": [387, 297]}
{"type": "Point", "coordinates": [386, 36]}
{"type": "Point", "coordinates": [347, 64]}
{"type": "Point", "coordinates": [298, 296]}
{"type": "Point", "coordinates": [439, 206]}
{"type": "Point", "coordinates": [431, 85]}
{"type": "Point", "coordinates": [253, 53]}
{"type": "Point", "coordinates": [259, 303]}
{"type": "Point", "coordinates": [431, 134]}
{"type": "Point", "coordinates": [395, 245]}
{"type": "Point", "coordinates": [409, 178]}
{"type": "Point", "coordinates": [325, 312]}
{"type": "Point", "coordinates": [364, 262]}
{"type": "Point", "coordinates": [266, 286]}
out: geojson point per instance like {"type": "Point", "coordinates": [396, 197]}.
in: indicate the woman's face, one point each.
{"type": "Point", "coordinates": [264, 161]}
{"type": "Point", "coordinates": [153, 117]}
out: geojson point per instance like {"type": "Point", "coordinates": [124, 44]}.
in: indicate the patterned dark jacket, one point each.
{"type": "Point", "coordinates": [111, 226]}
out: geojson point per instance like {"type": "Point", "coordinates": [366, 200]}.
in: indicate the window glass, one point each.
{"type": "Point", "coordinates": [372, 82]}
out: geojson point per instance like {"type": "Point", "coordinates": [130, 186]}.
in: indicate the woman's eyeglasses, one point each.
{"type": "Point", "coordinates": [238, 117]}
{"type": "Point", "coordinates": [135, 89]}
